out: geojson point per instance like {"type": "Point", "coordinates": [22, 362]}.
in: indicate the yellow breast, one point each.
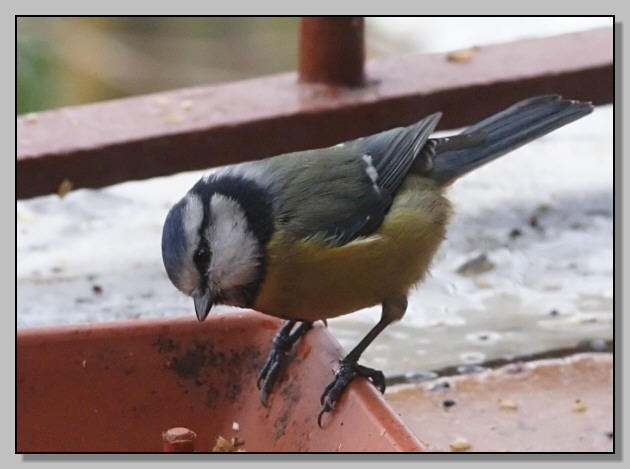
{"type": "Point", "coordinates": [308, 280]}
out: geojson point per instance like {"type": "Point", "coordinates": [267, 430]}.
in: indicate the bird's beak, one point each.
{"type": "Point", "coordinates": [203, 302]}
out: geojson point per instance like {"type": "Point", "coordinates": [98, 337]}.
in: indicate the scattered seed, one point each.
{"type": "Point", "coordinates": [64, 187]}
{"type": "Point", "coordinates": [507, 404]}
{"type": "Point", "coordinates": [533, 220]}
{"type": "Point", "coordinates": [162, 101]}
{"type": "Point", "coordinates": [482, 283]}
{"type": "Point", "coordinates": [460, 444]}
{"type": "Point", "coordinates": [554, 312]}
{"type": "Point", "coordinates": [84, 363]}
{"type": "Point", "coordinates": [578, 406]}
{"type": "Point", "coordinates": [610, 435]}
{"type": "Point", "coordinates": [173, 118]}
{"type": "Point", "coordinates": [235, 426]}
{"type": "Point", "coordinates": [96, 288]}
{"type": "Point", "coordinates": [224, 446]}
{"type": "Point", "coordinates": [462, 56]}
{"type": "Point", "coordinates": [448, 403]}
{"type": "Point", "coordinates": [23, 217]}
{"type": "Point", "coordinates": [32, 118]}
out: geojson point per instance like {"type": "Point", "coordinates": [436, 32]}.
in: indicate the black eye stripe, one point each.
{"type": "Point", "coordinates": [256, 202]}
{"type": "Point", "coordinates": [201, 258]}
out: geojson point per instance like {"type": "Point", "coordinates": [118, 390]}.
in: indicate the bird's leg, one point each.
{"type": "Point", "coordinates": [276, 361]}
{"type": "Point", "coordinates": [349, 367]}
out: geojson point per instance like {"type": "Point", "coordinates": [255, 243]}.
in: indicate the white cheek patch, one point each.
{"type": "Point", "coordinates": [193, 215]}
{"type": "Point", "coordinates": [234, 248]}
{"type": "Point", "coordinates": [188, 277]}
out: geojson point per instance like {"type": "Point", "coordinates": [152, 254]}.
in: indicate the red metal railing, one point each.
{"type": "Point", "coordinates": [334, 98]}
{"type": "Point", "coordinates": [332, 51]}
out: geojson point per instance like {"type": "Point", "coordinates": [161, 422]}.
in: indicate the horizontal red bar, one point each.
{"type": "Point", "coordinates": [195, 128]}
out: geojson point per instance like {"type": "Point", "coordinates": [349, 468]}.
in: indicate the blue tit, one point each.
{"type": "Point", "coordinates": [316, 234]}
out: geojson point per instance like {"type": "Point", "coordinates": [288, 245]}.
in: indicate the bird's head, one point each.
{"type": "Point", "coordinates": [213, 243]}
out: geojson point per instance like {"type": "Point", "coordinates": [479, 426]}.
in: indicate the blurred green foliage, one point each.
{"type": "Point", "coordinates": [65, 61]}
{"type": "Point", "coordinates": [36, 76]}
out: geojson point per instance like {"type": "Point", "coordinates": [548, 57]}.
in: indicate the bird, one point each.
{"type": "Point", "coordinates": [311, 235]}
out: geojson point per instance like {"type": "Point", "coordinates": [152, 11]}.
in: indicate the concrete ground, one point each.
{"type": "Point", "coordinates": [559, 405]}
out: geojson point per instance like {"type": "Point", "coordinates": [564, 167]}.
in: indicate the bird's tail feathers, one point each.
{"type": "Point", "coordinates": [501, 133]}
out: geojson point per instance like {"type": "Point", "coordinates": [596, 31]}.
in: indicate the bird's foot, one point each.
{"type": "Point", "coordinates": [348, 370]}
{"type": "Point", "coordinates": [278, 358]}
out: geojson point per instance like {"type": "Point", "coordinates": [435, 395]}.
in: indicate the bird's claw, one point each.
{"type": "Point", "coordinates": [276, 361]}
{"type": "Point", "coordinates": [278, 357]}
{"type": "Point", "coordinates": [348, 370]}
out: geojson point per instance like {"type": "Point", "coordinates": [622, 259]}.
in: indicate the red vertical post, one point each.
{"type": "Point", "coordinates": [332, 50]}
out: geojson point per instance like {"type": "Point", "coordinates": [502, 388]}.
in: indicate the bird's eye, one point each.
{"type": "Point", "coordinates": [201, 258]}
